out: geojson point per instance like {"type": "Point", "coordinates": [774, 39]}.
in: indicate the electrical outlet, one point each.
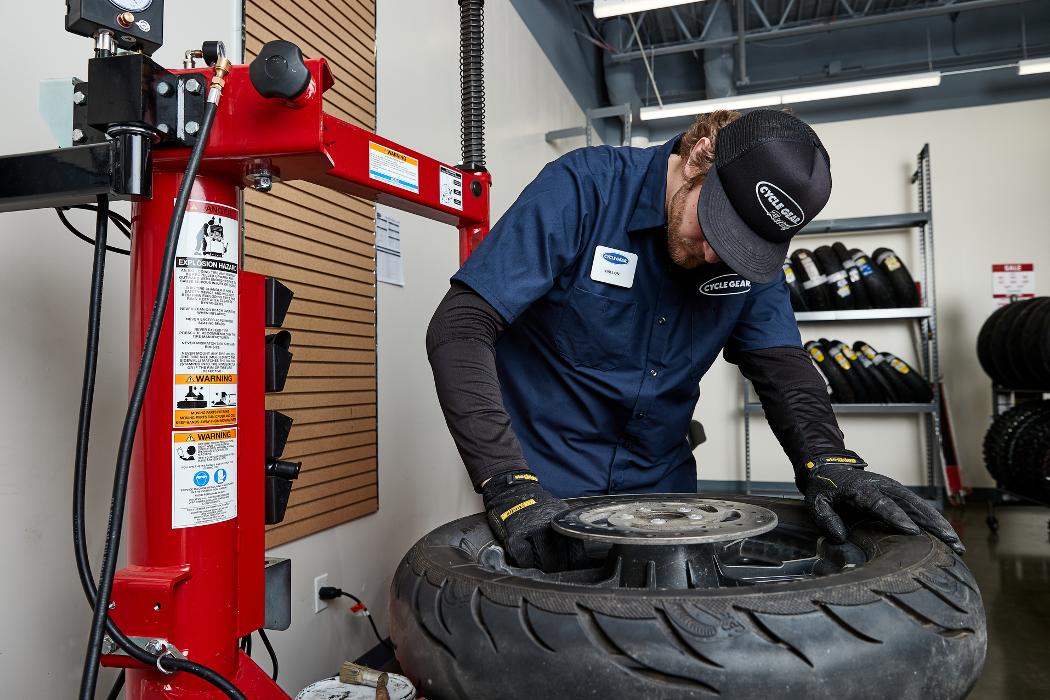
{"type": "Point", "coordinates": [319, 582]}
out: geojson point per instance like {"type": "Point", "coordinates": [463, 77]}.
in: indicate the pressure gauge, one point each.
{"type": "Point", "coordinates": [133, 5]}
{"type": "Point", "coordinates": [136, 25]}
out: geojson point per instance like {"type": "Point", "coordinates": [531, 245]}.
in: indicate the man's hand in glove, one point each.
{"type": "Point", "coordinates": [520, 512]}
{"type": "Point", "coordinates": [832, 480]}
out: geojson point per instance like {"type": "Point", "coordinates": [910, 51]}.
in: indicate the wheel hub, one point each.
{"type": "Point", "coordinates": [664, 520]}
{"type": "Point", "coordinates": [664, 541]}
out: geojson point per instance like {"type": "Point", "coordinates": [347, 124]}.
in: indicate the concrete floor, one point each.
{"type": "Point", "coordinates": [1013, 573]}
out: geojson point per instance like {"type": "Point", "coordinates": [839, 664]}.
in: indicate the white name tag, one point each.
{"type": "Point", "coordinates": [614, 266]}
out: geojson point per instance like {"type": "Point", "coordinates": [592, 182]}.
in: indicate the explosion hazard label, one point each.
{"type": "Point", "coordinates": [203, 477]}
{"type": "Point", "coordinates": [205, 300]}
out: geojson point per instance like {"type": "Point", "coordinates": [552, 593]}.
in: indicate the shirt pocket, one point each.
{"type": "Point", "coordinates": [596, 331]}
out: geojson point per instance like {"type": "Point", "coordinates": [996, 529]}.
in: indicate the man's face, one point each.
{"type": "Point", "coordinates": [685, 239]}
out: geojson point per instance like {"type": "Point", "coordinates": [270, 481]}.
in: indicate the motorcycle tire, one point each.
{"type": "Point", "coordinates": [900, 279]}
{"type": "Point", "coordinates": [908, 623]}
{"type": "Point", "coordinates": [874, 281]}
{"type": "Point", "coordinates": [838, 285]}
{"type": "Point", "coordinates": [813, 283]}
{"type": "Point", "coordinates": [856, 283]}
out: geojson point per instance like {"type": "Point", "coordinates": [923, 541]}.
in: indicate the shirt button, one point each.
{"type": "Point", "coordinates": [652, 372]}
{"type": "Point", "coordinates": [662, 320]}
{"type": "Point", "coordinates": [640, 414]}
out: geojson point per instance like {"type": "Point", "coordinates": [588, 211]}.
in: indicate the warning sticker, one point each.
{"type": "Point", "coordinates": [450, 187]}
{"type": "Point", "coordinates": [205, 301]}
{"type": "Point", "coordinates": [203, 477]}
{"type": "Point", "coordinates": [393, 167]}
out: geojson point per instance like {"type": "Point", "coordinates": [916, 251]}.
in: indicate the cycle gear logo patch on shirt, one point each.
{"type": "Point", "coordinates": [779, 206]}
{"type": "Point", "coordinates": [613, 266]}
{"type": "Point", "coordinates": [724, 285]}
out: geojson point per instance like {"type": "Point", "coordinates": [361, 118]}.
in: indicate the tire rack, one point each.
{"type": "Point", "coordinates": [1003, 400]}
{"type": "Point", "coordinates": [925, 317]}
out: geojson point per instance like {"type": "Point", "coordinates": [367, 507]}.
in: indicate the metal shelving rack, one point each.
{"type": "Point", "coordinates": [924, 316]}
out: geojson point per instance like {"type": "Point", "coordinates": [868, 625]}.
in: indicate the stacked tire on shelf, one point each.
{"type": "Point", "coordinates": [1013, 347]}
{"type": "Point", "coordinates": [860, 374]}
{"type": "Point", "coordinates": [832, 278]}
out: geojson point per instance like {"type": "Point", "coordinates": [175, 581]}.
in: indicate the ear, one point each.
{"type": "Point", "coordinates": [690, 170]}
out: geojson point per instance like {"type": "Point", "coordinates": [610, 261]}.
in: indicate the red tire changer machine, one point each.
{"type": "Point", "coordinates": [199, 456]}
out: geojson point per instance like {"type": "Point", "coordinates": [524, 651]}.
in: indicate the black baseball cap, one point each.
{"type": "Point", "coordinates": [771, 177]}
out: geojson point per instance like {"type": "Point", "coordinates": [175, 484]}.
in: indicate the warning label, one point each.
{"type": "Point", "coordinates": [203, 477]}
{"type": "Point", "coordinates": [393, 167]}
{"type": "Point", "coordinates": [450, 187]}
{"type": "Point", "coordinates": [205, 300]}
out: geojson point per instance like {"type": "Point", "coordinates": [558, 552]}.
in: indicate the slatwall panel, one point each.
{"type": "Point", "coordinates": [322, 245]}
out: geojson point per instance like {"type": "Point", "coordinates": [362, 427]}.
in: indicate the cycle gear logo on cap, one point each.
{"type": "Point", "coordinates": [779, 206]}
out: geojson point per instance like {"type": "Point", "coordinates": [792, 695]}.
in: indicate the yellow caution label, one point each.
{"type": "Point", "coordinates": [521, 506]}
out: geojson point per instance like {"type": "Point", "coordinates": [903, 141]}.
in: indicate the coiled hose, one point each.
{"type": "Point", "coordinates": [472, 83]}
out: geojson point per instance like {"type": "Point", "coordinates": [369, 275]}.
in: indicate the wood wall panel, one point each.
{"type": "Point", "coordinates": [322, 245]}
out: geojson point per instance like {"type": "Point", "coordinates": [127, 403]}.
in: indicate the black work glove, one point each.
{"type": "Point", "coordinates": [832, 480]}
{"type": "Point", "coordinates": [520, 512]}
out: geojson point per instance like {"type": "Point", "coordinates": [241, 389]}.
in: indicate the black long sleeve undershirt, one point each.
{"type": "Point", "coordinates": [461, 343]}
{"type": "Point", "coordinates": [795, 400]}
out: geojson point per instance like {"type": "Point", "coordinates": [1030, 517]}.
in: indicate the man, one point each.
{"type": "Point", "coordinates": [568, 352]}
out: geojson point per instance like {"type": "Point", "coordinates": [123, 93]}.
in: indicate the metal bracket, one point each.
{"type": "Point", "coordinates": [159, 647]}
{"type": "Point", "coordinates": [624, 111]}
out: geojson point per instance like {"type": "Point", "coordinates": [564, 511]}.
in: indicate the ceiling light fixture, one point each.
{"type": "Point", "coordinates": [613, 8]}
{"type": "Point", "coordinates": [1031, 66]}
{"type": "Point", "coordinates": [806, 94]}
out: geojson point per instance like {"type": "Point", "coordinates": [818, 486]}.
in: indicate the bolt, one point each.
{"type": "Point", "coordinates": [262, 183]}
{"type": "Point", "coordinates": [156, 647]}
{"type": "Point", "coordinates": [126, 19]}
{"type": "Point", "coordinates": [112, 605]}
{"type": "Point", "coordinates": [192, 128]}
{"type": "Point", "coordinates": [193, 86]}
{"type": "Point", "coordinates": [78, 135]}
{"type": "Point", "coordinates": [163, 89]}
{"type": "Point", "coordinates": [162, 128]}
{"type": "Point", "coordinates": [79, 98]}
{"type": "Point", "coordinates": [108, 645]}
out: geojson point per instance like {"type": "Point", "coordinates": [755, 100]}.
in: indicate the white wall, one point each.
{"type": "Point", "coordinates": [44, 277]}
{"type": "Point", "coordinates": [422, 483]}
{"type": "Point", "coordinates": [990, 179]}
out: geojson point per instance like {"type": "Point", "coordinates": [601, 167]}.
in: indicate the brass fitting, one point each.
{"type": "Point", "coordinates": [222, 69]}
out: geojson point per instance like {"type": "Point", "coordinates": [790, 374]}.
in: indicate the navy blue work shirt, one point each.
{"type": "Point", "coordinates": [600, 373]}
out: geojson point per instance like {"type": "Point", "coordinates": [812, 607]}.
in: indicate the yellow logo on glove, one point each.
{"type": "Point", "coordinates": [521, 506]}
{"type": "Point", "coordinates": [525, 477]}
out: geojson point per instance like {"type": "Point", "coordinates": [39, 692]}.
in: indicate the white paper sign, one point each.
{"type": "Point", "coordinates": [1012, 282]}
{"type": "Point", "coordinates": [389, 267]}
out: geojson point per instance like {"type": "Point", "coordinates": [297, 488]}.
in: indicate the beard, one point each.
{"type": "Point", "coordinates": [684, 252]}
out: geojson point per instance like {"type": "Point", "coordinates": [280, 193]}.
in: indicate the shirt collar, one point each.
{"type": "Point", "coordinates": [650, 211]}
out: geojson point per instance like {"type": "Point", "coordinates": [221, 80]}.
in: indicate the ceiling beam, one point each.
{"type": "Point", "coordinates": [817, 28]}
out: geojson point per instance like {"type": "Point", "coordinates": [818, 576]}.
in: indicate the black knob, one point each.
{"type": "Point", "coordinates": [279, 70]}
